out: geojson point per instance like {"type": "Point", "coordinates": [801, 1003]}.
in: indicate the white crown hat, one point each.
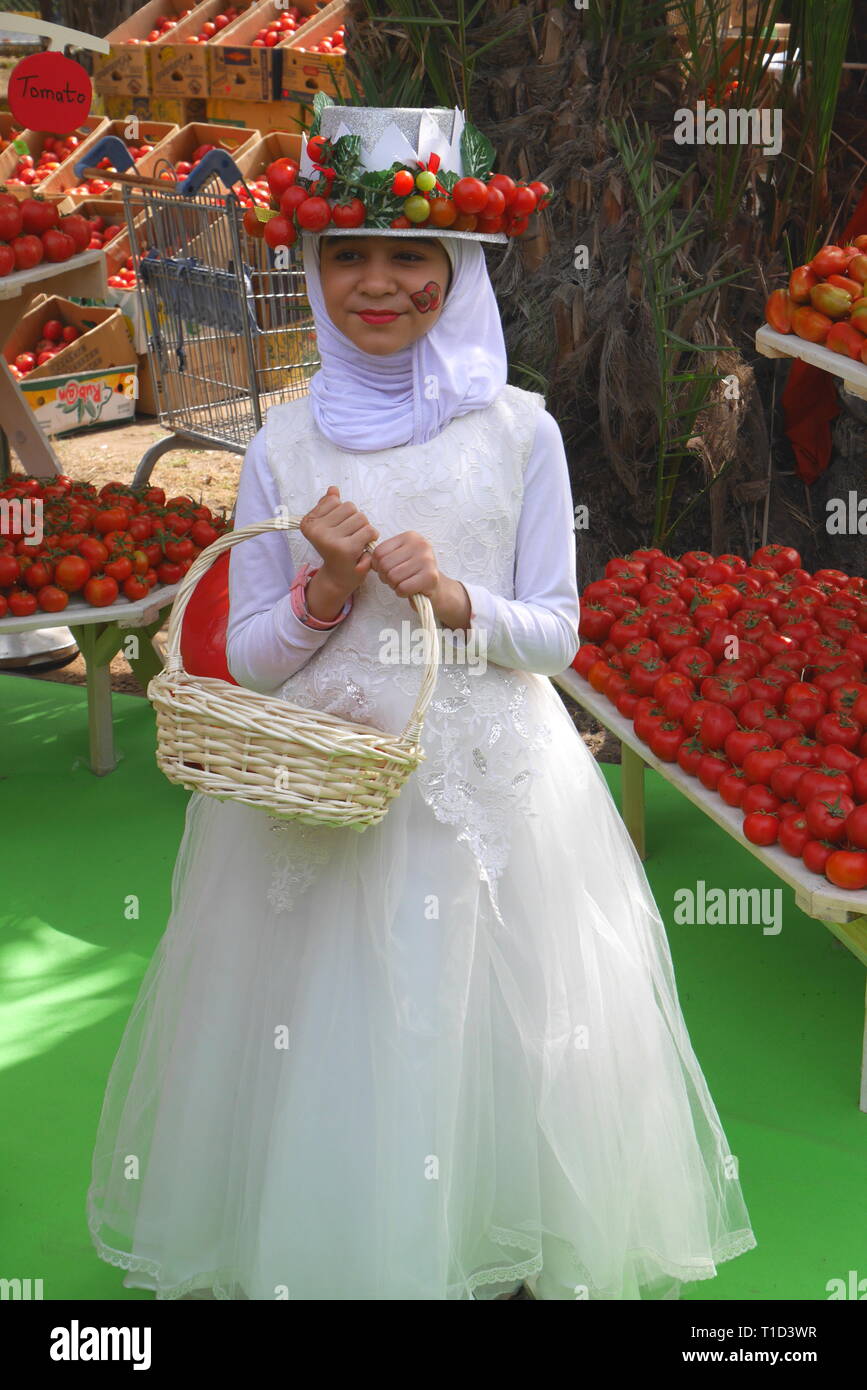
{"type": "Point", "coordinates": [406, 135]}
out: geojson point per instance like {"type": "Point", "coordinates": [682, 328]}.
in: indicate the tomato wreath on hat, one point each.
{"type": "Point", "coordinates": [342, 194]}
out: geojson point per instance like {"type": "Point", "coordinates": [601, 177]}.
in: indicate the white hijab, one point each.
{"type": "Point", "coordinates": [363, 402]}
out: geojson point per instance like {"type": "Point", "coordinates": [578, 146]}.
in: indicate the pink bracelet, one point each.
{"type": "Point", "coordinates": [298, 590]}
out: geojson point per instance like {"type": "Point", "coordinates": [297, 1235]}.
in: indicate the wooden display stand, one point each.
{"type": "Point", "coordinates": [770, 343]}
{"type": "Point", "coordinates": [843, 913]}
{"type": "Point", "coordinates": [100, 633]}
{"type": "Point", "coordinates": [83, 276]}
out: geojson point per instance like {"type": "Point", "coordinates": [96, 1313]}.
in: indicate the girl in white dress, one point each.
{"type": "Point", "coordinates": [443, 1057]}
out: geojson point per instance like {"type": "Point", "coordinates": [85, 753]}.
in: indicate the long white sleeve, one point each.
{"type": "Point", "coordinates": [265, 642]}
{"type": "Point", "coordinates": [538, 629]}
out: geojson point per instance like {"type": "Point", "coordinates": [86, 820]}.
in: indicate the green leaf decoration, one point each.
{"type": "Point", "coordinates": [381, 178]}
{"type": "Point", "coordinates": [448, 178]}
{"type": "Point", "coordinates": [90, 407]}
{"type": "Point", "coordinates": [477, 153]}
{"type": "Point", "coordinates": [320, 101]}
{"type": "Point", "coordinates": [375, 179]}
{"type": "Point", "coordinates": [347, 156]}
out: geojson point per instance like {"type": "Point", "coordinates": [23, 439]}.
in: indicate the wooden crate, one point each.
{"type": "Point", "coordinates": [150, 132]}
{"type": "Point", "coordinates": [33, 142]}
{"type": "Point", "coordinates": [180, 146]}
{"type": "Point", "coordinates": [179, 68]}
{"type": "Point", "coordinates": [291, 116]}
{"type": "Point", "coordinates": [303, 74]}
{"type": "Point", "coordinates": [126, 69]}
{"type": "Point", "coordinates": [277, 143]}
{"type": "Point", "coordinates": [240, 72]}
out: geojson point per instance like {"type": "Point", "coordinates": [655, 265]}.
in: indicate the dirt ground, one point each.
{"type": "Point", "coordinates": [113, 453]}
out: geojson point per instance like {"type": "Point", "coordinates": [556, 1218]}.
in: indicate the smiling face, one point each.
{"type": "Point", "coordinates": [380, 292]}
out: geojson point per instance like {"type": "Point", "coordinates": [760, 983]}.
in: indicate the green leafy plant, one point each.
{"type": "Point", "coordinates": [665, 237]}
{"type": "Point", "coordinates": [726, 70]}
{"type": "Point", "coordinates": [443, 46]}
{"type": "Point", "coordinates": [820, 34]}
{"type": "Point", "coordinates": [391, 82]}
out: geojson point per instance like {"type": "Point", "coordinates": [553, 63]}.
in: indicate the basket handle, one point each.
{"type": "Point", "coordinates": [202, 563]}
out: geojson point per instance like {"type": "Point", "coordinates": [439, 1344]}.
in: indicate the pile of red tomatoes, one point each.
{"type": "Point", "coordinates": [30, 171]}
{"type": "Point", "coordinates": [97, 186]}
{"type": "Point", "coordinates": [96, 546]}
{"type": "Point", "coordinates": [215, 25]}
{"type": "Point", "coordinates": [162, 26]}
{"type": "Point", "coordinates": [32, 231]}
{"type": "Point", "coordinates": [750, 676]}
{"type": "Point", "coordinates": [56, 336]}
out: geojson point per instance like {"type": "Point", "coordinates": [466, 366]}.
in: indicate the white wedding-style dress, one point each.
{"type": "Point", "coordinates": [442, 1056]}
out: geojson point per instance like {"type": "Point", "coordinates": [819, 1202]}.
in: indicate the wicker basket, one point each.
{"type": "Point", "coordinates": [238, 745]}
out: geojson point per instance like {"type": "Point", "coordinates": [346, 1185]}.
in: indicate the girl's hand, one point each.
{"type": "Point", "coordinates": [408, 565]}
{"type": "Point", "coordinates": [339, 532]}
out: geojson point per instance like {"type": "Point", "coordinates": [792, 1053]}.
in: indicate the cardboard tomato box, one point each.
{"type": "Point", "coordinates": [33, 142]}
{"type": "Point", "coordinates": [148, 133]}
{"type": "Point", "coordinates": [104, 343]}
{"type": "Point", "coordinates": [9, 128]}
{"type": "Point", "coordinates": [275, 145]}
{"type": "Point", "coordinates": [117, 252]}
{"type": "Point", "coordinates": [240, 72]}
{"type": "Point", "coordinates": [180, 68]}
{"type": "Point", "coordinates": [136, 318]}
{"type": "Point", "coordinates": [70, 401]}
{"type": "Point", "coordinates": [301, 74]}
{"type": "Point", "coordinates": [177, 111]}
{"type": "Point", "coordinates": [126, 69]}
{"type": "Point", "coordinates": [111, 210]}
{"type": "Point", "coordinates": [266, 116]}
{"type": "Point", "coordinates": [180, 146]}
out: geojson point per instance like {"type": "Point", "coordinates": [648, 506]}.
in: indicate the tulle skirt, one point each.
{"type": "Point", "coordinates": [347, 1076]}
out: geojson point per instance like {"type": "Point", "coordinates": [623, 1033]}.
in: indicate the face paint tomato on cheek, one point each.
{"type": "Point", "coordinates": [428, 298]}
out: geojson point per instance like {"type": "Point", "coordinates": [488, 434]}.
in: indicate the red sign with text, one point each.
{"type": "Point", "coordinates": [48, 91]}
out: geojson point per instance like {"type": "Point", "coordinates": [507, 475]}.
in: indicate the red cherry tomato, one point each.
{"type": "Point", "coordinates": [29, 252]}
{"type": "Point", "coordinates": [281, 174]}
{"type": "Point", "coordinates": [11, 224]}
{"type": "Point", "coordinates": [351, 214]}
{"type": "Point", "coordinates": [470, 195]}
{"type": "Point", "coordinates": [761, 827]}
{"type": "Point", "coordinates": [101, 590]}
{"type": "Point", "coordinates": [847, 868]}
{"type": "Point", "coordinates": [524, 201]}
{"type": "Point", "coordinates": [72, 573]}
{"type": "Point", "coordinates": [313, 214]}
{"type": "Point", "coordinates": [279, 231]}
{"type": "Point", "coordinates": [51, 598]}
{"type": "Point", "coordinates": [58, 245]}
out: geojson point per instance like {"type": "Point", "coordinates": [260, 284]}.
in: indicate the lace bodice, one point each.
{"type": "Point", "coordinates": [463, 491]}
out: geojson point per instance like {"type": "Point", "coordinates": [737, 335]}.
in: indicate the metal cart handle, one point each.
{"type": "Point", "coordinates": [110, 147]}
{"type": "Point", "coordinates": [214, 162]}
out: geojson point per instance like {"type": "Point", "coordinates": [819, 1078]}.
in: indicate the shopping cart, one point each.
{"type": "Point", "coordinates": [229, 326]}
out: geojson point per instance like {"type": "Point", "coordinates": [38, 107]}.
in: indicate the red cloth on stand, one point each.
{"type": "Point", "coordinates": [810, 399]}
